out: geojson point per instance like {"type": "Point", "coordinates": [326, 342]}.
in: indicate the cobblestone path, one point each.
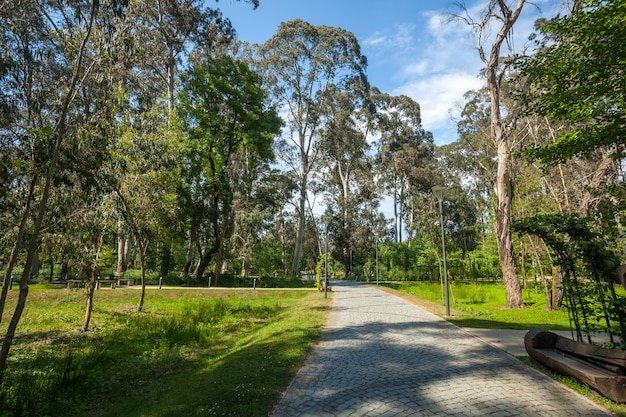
{"type": "Point", "coordinates": [382, 356]}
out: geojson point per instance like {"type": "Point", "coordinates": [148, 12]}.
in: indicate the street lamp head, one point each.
{"type": "Point", "coordinates": [439, 191]}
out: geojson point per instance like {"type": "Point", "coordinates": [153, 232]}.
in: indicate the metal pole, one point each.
{"type": "Point", "coordinates": [376, 261]}
{"type": "Point", "coordinates": [445, 267]}
{"type": "Point", "coordinates": [326, 266]}
{"type": "Point", "coordinates": [350, 277]}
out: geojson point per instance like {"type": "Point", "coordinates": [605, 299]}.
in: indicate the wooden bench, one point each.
{"type": "Point", "coordinates": [125, 281]}
{"type": "Point", "coordinates": [109, 282]}
{"type": "Point", "coordinates": [604, 370]}
{"type": "Point", "coordinates": [71, 282]}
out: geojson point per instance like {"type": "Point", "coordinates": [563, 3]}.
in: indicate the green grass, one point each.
{"type": "Point", "coordinates": [482, 306]}
{"type": "Point", "coordinates": [193, 352]}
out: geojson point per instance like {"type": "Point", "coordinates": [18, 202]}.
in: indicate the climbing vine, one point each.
{"type": "Point", "coordinates": [588, 268]}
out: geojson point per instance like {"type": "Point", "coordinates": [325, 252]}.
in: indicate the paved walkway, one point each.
{"type": "Point", "coordinates": [382, 356]}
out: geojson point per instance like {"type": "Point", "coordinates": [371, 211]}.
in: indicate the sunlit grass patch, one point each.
{"type": "Point", "coordinates": [195, 352]}
{"type": "Point", "coordinates": [483, 306]}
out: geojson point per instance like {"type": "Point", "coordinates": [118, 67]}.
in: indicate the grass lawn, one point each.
{"type": "Point", "coordinates": [482, 306]}
{"type": "Point", "coordinates": [193, 352]}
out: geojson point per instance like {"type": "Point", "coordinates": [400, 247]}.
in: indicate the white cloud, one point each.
{"type": "Point", "coordinates": [400, 38]}
{"type": "Point", "coordinates": [438, 96]}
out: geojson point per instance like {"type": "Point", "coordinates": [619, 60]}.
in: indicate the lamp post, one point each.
{"type": "Point", "coordinates": [326, 265]}
{"type": "Point", "coordinates": [439, 191]}
{"type": "Point", "coordinates": [377, 262]}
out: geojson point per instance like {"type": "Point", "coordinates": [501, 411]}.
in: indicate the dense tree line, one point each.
{"type": "Point", "coordinates": [146, 137]}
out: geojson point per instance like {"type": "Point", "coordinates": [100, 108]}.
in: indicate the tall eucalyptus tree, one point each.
{"type": "Point", "coordinates": [504, 14]}
{"type": "Point", "coordinates": [405, 150]}
{"type": "Point", "coordinates": [344, 167]}
{"type": "Point", "coordinates": [300, 62]}
{"type": "Point", "coordinates": [157, 41]}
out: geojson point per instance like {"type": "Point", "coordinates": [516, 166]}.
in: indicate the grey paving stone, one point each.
{"type": "Point", "coordinates": [382, 356]}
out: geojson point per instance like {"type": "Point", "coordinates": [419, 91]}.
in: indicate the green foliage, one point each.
{"type": "Point", "coordinates": [578, 75]}
{"type": "Point", "coordinates": [335, 269]}
{"type": "Point", "coordinates": [588, 269]}
{"type": "Point", "coordinates": [420, 260]}
{"type": "Point", "coordinates": [219, 154]}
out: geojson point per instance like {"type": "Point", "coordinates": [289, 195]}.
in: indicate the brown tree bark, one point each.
{"type": "Point", "coordinates": [92, 286]}
{"type": "Point", "coordinates": [557, 288]}
{"type": "Point", "coordinates": [6, 282]}
{"type": "Point", "coordinates": [501, 131]}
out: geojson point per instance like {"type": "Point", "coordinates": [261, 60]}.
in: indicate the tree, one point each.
{"type": "Point", "coordinates": [576, 81]}
{"type": "Point", "coordinates": [163, 32]}
{"type": "Point", "coordinates": [158, 40]}
{"type": "Point", "coordinates": [502, 126]}
{"type": "Point", "coordinates": [57, 55]}
{"type": "Point", "coordinates": [405, 150]}
{"type": "Point", "coordinates": [144, 173]}
{"type": "Point", "coordinates": [578, 76]}
{"type": "Point", "coordinates": [227, 119]}
{"type": "Point", "coordinates": [300, 63]}
{"type": "Point", "coordinates": [343, 148]}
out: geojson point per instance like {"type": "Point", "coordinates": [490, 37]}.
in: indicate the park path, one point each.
{"type": "Point", "coordinates": [382, 356]}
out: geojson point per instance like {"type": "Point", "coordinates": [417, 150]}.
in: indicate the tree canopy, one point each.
{"type": "Point", "coordinates": [578, 75]}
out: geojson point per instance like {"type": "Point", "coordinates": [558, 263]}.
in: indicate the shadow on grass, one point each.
{"type": "Point", "coordinates": [245, 382]}
{"type": "Point", "coordinates": [477, 323]}
{"type": "Point", "coordinates": [161, 364]}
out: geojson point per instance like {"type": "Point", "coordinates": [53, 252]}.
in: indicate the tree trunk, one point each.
{"type": "Point", "coordinates": [191, 251]}
{"type": "Point", "coordinates": [395, 211]}
{"type": "Point", "coordinates": [401, 205]}
{"type": "Point", "coordinates": [58, 135]}
{"type": "Point", "coordinates": [283, 256]}
{"type": "Point", "coordinates": [205, 258]}
{"type": "Point", "coordinates": [295, 266]}
{"type": "Point", "coordinates": [92, 286]}
{"type": "Point", "coordinates": [16, 247]}
{"type": "Point", "coordinates": [121, 254]}
{"type": "Point", "coordinates": [142, 259]}
{"type": "Point", "coordinates": [30, 257]}
{"type": "Point", "coordinates": [504, 236]}
{"type": "Point", "coordinates": [557, 288]}
{"type": "Point", "coordinates": [501, 135]}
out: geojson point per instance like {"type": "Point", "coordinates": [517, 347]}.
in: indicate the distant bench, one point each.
{"type": "Point", "coordinates": [109, 282]}
{"type": "Point", "coordinates": [126, 281]}
{"type": "Point", "coordinates": [72, 282]}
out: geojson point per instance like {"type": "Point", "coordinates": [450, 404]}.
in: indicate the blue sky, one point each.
{"type": "Point", "coordinates": [411, 50]}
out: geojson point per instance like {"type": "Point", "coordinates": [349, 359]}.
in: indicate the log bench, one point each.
{"type": "Point", "coordinates": [603, 370]}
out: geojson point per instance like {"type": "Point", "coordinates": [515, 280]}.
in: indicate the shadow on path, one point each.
{"type": "Point", "coordinates": [381, 355]}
